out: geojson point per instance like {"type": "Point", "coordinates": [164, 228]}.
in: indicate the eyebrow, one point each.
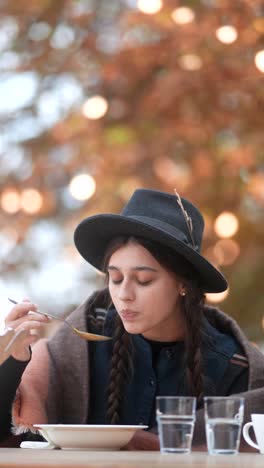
{"type": "Point", "coordinates": [137, 268]}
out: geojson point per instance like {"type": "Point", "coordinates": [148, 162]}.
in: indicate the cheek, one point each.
{"type": "Point", "coordinates": [112, 291]}
{"type": "Point", "coordinates": [165, 298]}
{"type": "Point", "coordinates": [152, 300]}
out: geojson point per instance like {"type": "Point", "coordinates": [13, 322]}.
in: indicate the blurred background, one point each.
{"type": "Point", "coordinates": [100, 97]}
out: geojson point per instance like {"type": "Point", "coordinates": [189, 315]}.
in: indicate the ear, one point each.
{"type": "Point", "coordinates": [182, 289]}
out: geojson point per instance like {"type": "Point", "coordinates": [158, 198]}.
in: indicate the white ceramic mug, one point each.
{"type": "Point", "coordinates": [258, 425]}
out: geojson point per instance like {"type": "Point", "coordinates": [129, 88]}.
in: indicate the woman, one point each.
{"type": "Point", "coordinates": [165, 341]}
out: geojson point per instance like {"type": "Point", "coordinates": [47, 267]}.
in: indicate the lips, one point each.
{"type": "Point", "coordinates": [128, 314]}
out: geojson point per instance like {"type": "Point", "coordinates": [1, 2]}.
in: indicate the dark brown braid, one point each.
{"type": "Point", "coordinates": [121, 364]}
{"type": "Point", "coordinates": [193, 303]}
{"type": "Point", "coordinates": [122, 356]}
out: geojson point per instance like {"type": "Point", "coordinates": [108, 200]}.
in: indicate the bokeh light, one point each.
{"type": "Point", "coordinates": [39, 31]}
{"type": "Point", "coordinates": [62, 37]}
{"type": "Point", "coordinates": [82, 187]}
{"type": "Point", "coordinates": [171, 172]}
{"type": "Point", "coordinates": [256, 186]}
{"type": "Point", "coordinates": [10, 201]}
{"type": "Point", "coordinates": [183, 15]}
{"type": "Point", "coordinates": [226, 34]}
{"type": "Point", "coordinates": [208, 226]}
{"type": "Point", "coordinates": [226, 224]}
{"type": "Point", "coordinates": [31, 200]}
{"type": "Point", "coordinates": [215, 298]}
{"type": "Point", "coordinates": [214, 256]}
{"type": "Point", "coordinates": [95, 107]}
{"type": "Point", "coordinates": [228, 250]}
{"type": "Point", "coordinates": [259, 60]}
{"type": "Point", "coordinates": [149, 7]}
{"type": "Point", "coordinates": [190, 62]}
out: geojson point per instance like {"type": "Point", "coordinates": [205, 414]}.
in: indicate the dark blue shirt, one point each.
{"type": "Point", "coordinates": [166, 376]}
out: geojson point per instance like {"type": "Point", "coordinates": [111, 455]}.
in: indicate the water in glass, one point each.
{"type": "Point", "coordinates": [223, 435]}
{"type": "Point", "coordinates": [176, 433]}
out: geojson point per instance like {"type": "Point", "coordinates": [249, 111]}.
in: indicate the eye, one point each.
{"type": "Point", "coordinates": [144, 283]}
{"type": "Point", "coordinates": [116, 280]}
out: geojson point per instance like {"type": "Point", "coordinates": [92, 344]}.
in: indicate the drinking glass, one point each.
{"type": "Point", "coordinates": [175, 418]}
{"type": "Point", "coordinates": [223, 421]}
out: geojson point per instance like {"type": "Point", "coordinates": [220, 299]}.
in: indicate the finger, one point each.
{"type": "Point", "coordinates": [13, 337]}
{"type": "Point", "coordinates": [30, 338]}
{"type": "Point", "coordinates": [28, 322]}
{"type": "Point", "coordinates": [40, 317]}
{"type": "Point", "coordinates": [18, 346]}
{"type": "Point", "coordinates": [5, 339]}
{"type": "Point", "coordinates": [20, 342]}
{"type": "Point", "coordinates": [20, 350]}
{"type": "Point", "coordinates": [20, 310]}
{"type": "Point", "coordinates": [30, 325]}
{"type": "Point", "coordinates": [16, 324]}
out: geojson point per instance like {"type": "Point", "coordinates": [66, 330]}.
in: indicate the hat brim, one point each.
{"type": "Point", "coordinates": [92, 237]}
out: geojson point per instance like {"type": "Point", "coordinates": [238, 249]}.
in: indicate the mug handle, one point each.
{"type": "Point", "coordinates": [247, 437]}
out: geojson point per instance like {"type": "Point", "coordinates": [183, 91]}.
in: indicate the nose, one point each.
{"type": "Point", "coordinates": [126, 291]}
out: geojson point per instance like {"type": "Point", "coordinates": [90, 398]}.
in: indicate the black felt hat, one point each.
{"type": "Point", "coordinates": [158, 216]}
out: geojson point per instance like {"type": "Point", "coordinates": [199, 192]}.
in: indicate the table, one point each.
{"type": "Point", "coordinates": [39, 458]}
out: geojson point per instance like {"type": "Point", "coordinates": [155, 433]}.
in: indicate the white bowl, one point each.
{"type": "Point", "coordinates": [87, 437]}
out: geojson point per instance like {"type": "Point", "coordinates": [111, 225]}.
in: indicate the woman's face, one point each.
{"type": "Point", "coordinates": [145, 294]}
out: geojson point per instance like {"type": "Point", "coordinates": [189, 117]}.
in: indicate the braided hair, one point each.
{"type": "Point", "coordinates": [192, 304]}
{"type": "Point", "coordinates": [121, 365]}
{"type": "Point", "coordinates": [122, 355]}
{"type": "Point", "coordinates": [192, 307]}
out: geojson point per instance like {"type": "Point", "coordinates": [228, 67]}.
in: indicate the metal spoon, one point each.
{"type": "Point", "coordinates": [8, 342]}
{"type": "Point", "coordinates": [85, 335]}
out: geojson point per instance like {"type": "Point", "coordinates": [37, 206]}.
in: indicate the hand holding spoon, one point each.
{"type": "Point", "coordinates": [85, 335]}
